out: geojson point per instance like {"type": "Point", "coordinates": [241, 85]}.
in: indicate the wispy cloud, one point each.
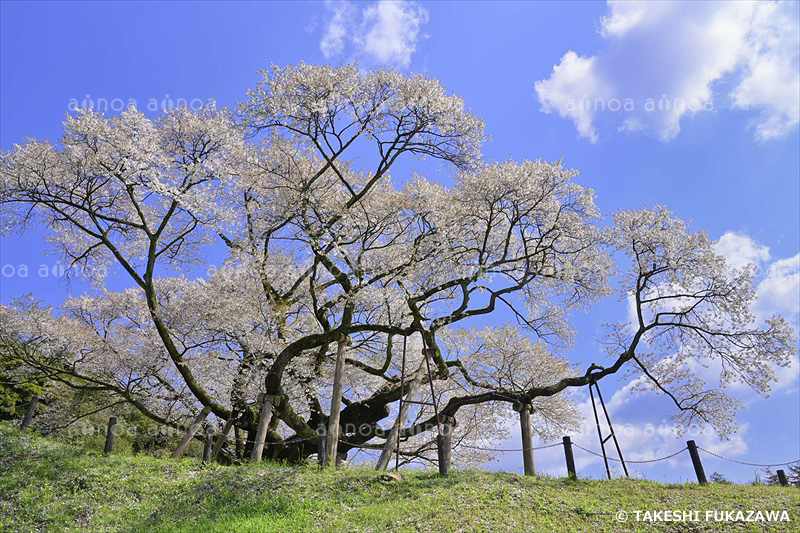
{"type": "Point", "coordinates": [336, 30]}
{"type": "Point", "coordinates": [663, 61]}
{"type": "Point", "coordinates": [384, 32]}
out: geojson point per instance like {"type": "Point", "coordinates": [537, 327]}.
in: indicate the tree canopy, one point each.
{"type": "Point", "coordinates": [292, 197]}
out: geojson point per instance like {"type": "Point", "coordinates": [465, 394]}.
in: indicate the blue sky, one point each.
{"type": "Point", "coordinates": [731, 162]}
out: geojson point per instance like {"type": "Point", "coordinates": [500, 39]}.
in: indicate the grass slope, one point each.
{"type": "Point", "coordinates": [49, 486]}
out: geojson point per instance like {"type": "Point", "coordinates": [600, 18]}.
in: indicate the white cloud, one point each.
{"type": "Point", "coordinates": [779, 291]}
{"type": "Point", "coordinates": [665, 60]}
{"type": "Point", "coordinates": [741, 250]}
{"type": "Point", "coordinates": [573, 79]}
{"type": "Point", "coordinates": [384, 32]}
{"type": "Point", "coordinates": [336, 29]}
{"type": "Point", "coordinates": [393, 30]}
{"type": "Point", "coordinates": [772, 84]}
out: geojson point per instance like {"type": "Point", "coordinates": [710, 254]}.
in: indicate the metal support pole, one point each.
{"type": "Point", "coordinates": [611, 429]}
{"type": "Point", "coordinates": [599, 433]}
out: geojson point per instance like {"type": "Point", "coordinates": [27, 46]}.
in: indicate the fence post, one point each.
{"type": "Point", "coordinates": [190, 432]}
{"type": "Point", "coordinates": [268, 402]}
{"type": "Point", "coordinates": [112, 422]}
{"type": "Point", "coordinates": [782, 478]}
{"type": "Point", "coordinates": [524, 410]}
{"type": "Point", "coordinates": [332, 444]}
{"type": "Point", "coordinates": [29, 413]}
{"type": "Point", "coordinates": [208, 444]}
{"type": "Point", "coordinates": [698, 466]}
{"type": "Point", "coordinates": [570, 458]}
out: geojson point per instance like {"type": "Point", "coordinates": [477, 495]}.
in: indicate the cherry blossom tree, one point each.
{"type": "Point", "coordinates": [293, 200]}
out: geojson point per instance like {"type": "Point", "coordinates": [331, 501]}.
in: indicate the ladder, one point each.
{"type": "Point", "coordinates": [427, 353]}
{"type": "Point", "coordinates": [611, 435]}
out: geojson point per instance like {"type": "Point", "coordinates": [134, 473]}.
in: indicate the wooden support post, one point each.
{"type": "Point", "coordinates": [187, 438]}
{"type": "Point", "coordinates": [332, 445]}
{"type": "Point", "coordinates": [782, 478]}
{"type": "Point", "coordinates": [268, 401]}
{"type": "Point", "coordinates": [250, 438]}
{"type": "Point", "coordinates": [341, 457]}
{"type": "Point", "coordinates": [29, 413]}
{"type": "Point", "coordinates": [222, 438]}
{"type": "Point", "coordinates": [442, 462]}
{"type": "Point", "coordinates": [208, 444]}
{"type": "Point", "coordinates": [392, 440]}
{"type": "Point", "coordinates": [112, 422]}
{"type": "Point", "coordinates": [237, 434]}
{"type": "Point", "coordinates": [570, 458]}
{"type": "Point", "coordinates": [698, 466]}
{"type": "Point", "coordinates": [524, 411]}
{"type": "Point", "coordinates": [321, 438]}
{"type": "Point", "coordinates": [415, 382]}
{"type": "Point", "coordinates": [448, 423]}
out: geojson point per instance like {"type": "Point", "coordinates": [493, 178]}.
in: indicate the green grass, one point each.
{"type": "Point", "coordinates": [50, 486]}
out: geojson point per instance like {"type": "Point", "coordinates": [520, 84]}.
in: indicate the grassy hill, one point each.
{"type": "Point", "coordinates": [49, 486]}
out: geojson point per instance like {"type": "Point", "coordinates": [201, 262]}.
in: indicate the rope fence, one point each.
{"type": "Point", "coordinates": [764, 465]}
{"type": "Point", "coordinates": [646, 461]}
{"type": "Point", "coordinates": [444, 450]}
{"type": "Point", "coordinates": [591, 452]}
{"type": "Point", "coordinates": [534, 448]}
{"type": "Point", "coordinates": [553, 445]}
{"type": "Point", "coordinates": [691, 447]}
